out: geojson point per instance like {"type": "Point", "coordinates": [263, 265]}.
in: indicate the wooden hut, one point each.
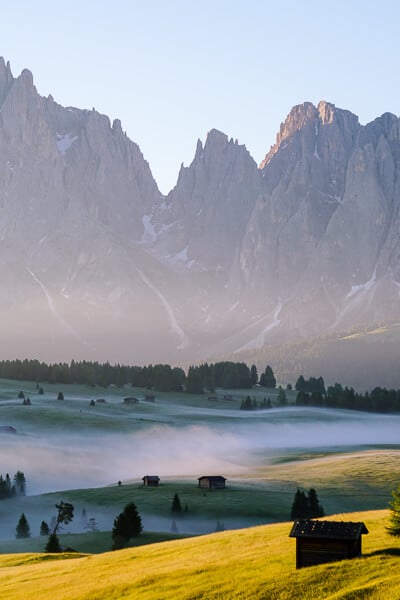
{"type": "Point", "coordinates": [7, 429]}
{"type": "Point", "coordinates": [151, 480]}
{"type": "Point", "coordinates": [326, 541]}
{"type": "Point", "coordinates": [131, 400]}
{"type": "Point", "coordinates": [212, 482]}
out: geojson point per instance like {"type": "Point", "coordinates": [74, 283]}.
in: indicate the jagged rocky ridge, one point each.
{"type": "Point", "coordinates": [96, 263]}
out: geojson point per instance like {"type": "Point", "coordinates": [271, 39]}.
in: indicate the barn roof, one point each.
{"type": "Point", "coordinates": [328, 529]}
{"type": "Point", "coordinates": [151, 477]}
{"type": "Point", "coordinates": [212, 477]}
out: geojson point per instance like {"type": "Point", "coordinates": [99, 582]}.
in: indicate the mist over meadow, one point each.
{"type": "Point", "coordinates": [192, 443]}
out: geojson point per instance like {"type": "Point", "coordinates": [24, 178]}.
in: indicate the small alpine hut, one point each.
{"type": "Point", "coordinates": [212, 482]}
{"type": "Point", "coordinates": [151, 480]}
{"type": "Point", "coordinates": [326, 541]}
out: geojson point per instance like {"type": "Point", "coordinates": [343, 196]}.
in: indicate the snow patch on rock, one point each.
{"type": "Point", "coordinates": [64, 142]}
{"type": "Point", "coordinates": [170, 312]}
{"type": "Point", "coordinates": [259, 340]}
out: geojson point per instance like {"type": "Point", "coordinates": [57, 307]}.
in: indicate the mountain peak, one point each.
{"type": "Point", "coordinates": [306, 115]}
{"type": "Point", "coordinates": [214, 136]}
{"type": "Point", "coordinates": [6, 79]}
{"type": "Point", "coordinates": [26, 77]}
{"type": "Point", "coordinates": [299, 116]}
{"type": "Point", "coordinates": [326, 112]}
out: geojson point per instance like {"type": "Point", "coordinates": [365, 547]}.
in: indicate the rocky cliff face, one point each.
{"type": "Point", "coordinates": [95, 263]}
{"type": "Point", "coordinates": [320, 249]}
{"type": "Point", "coordinates": [73, 191]}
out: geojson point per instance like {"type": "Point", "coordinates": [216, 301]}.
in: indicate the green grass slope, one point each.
{"type": "Point", "coordinates": [254, 564]}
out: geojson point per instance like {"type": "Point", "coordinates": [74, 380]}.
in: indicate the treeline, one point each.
{"type": "Point", "coordinates": [361, 361]}
{"type": "Point", "coordinates": [226, 374]}
{"type": "Point", "coordinates": [12, 487]}
{"type": "Point", "coordinates": [312, 392]}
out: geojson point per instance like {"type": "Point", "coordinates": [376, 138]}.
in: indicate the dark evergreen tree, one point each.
{"type": "Point", "coordinates": [300, 384]}
{"type": "Point", "coordinates": [20, 483]}
{"type": "Point", "coordinates": [300, 508]}
{"type": "Point", "coordinates": [65, 514]}
{"type": "Point", "coordinates": [282, 397]}
{"type": "Point", "coordinates": [246, 404]}
{"type": "Point", "coordinates": [53, 544]}
{"type": "Point", "coordinates": [176, 506]}
{"type": "Point", "coordinates": [253, 375]}
{"type": "Point", "coordinates": [315, 509]}
{"type": "Point", "coordinates": [267, 379]}
{"type": "Point", "coordinates": [194, 382]}
{"type": "Point", "coordinates": [127, 524]}
{"type": "Point", "coordinates": [60, 396]}
{"type": "Point", "coordinates": [44, 528]}
{"type": "Point", "coordinates": [23, 529]}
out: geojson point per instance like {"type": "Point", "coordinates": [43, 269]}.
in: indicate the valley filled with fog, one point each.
{"type": "Point", "coordinates": [69, 444]}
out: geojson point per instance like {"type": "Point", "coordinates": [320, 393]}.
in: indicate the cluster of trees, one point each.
{"type": "Point", "coordinates": [310, 386]}
{"type": "Point", "coordinates": [12, 487]}
{"type": "Point", "coordinates": [162, 377]}
{"type": "Point", "coordinates": [252, 404]}
{"type": "Point", "coordinates": [227, 375]}
{"type": "Point", "coordinates": [306, 505]}
{"type": "Point", "coordinates": [127, 524]}
{"type": "Point", "coordinates": [378, 400]}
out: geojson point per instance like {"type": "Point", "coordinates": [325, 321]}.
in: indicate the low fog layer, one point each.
{"type": "Point", "coordinates": [218, 444]}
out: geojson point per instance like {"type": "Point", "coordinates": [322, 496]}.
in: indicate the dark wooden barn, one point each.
{"type": "Point", "coordinates": [212, 482]}
{"type": "Point", "coordinates": [151, 480]}
{"type": "Point", "coordinates": [7, 429]}
{"type": "Point", "coordinates": [131, 400]}
{"type": "Point", "coordinates": [326, 541]}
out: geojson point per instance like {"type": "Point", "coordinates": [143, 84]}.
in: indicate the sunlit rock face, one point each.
{"type": "Point", "coordinates": [322, 245]}
{"type": "Point", "coordinates": [96, 263]}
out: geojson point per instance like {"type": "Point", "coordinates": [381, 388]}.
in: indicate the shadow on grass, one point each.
{"type": "Point", "coordinates": [385, 552]}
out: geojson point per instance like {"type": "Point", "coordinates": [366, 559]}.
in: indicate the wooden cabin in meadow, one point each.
{"type": "Point", "coordinates": [100, 401]}
{"type": "Point", "coordinates": [212, 482]}
{"type": "Point", "coordinates": [151, 480]}
{"type": "Point", "coordinates": [131, 400]}
{"type": "Point", "coordinates": [7, 429]}
{"type": "Point", "coordinates": [326, 541]}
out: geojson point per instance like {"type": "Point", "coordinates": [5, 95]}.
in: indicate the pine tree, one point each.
{"type": "Point", "coordinates": [65, 514]}
{"type": "Point", "coordinates": [268, 378]}
{"type": "Point", "coordinates": [282, 397]}
{"type": "Point", "coordinates": [44, 528]}
{"type": "Point", "coordinates": [253, 375]}
{"type": "Point", "coordinates": [315, 509]}
{"type": "Point", "coordinates": [53, 544]}
{"type": "Point", "coordinates": [300, 509]}
{"type": "Point", "coordinates": [127, 524]}
{"type": "Point", "coordinates": [176, 506]}
{"type": "Point", "coordinates": [20, 483]}
{"type": "Point", "coordinates": [23, 529]}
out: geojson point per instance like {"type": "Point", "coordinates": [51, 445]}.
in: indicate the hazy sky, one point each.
{"type": "Point", "coordinates": [173, 69]}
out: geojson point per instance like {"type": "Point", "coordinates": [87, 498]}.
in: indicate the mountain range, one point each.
{"type": "Point", "coordinates": [96, 263]}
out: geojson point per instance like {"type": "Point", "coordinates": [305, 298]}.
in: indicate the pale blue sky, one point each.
{"type": "Point", "coordinates": [171, 70]}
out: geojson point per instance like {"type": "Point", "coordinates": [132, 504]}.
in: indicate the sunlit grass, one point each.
{"type": "Point", "coordinates": [257, 563]}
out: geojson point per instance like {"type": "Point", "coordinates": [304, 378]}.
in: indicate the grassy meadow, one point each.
{"type": "Point", "coordinates": [75, 452]}
{"type": "Point", "coordinates": [254, 564]}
